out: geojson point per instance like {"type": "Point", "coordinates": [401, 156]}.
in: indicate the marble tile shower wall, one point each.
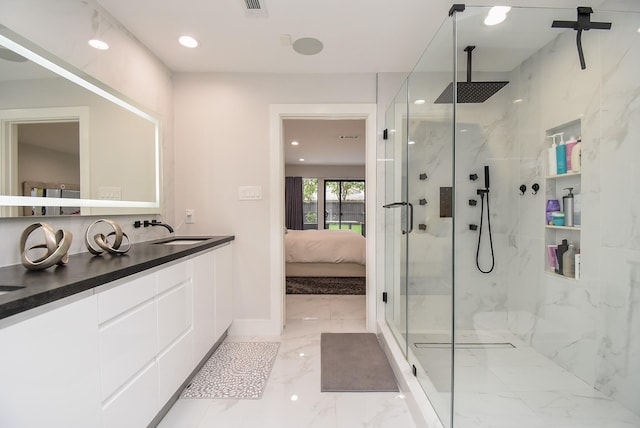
{"type": "Point", "coordinates": [590, 327]}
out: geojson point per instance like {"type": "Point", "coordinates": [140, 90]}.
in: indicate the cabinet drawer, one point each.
{"type": "Point", "coordinates": [173, 275]}
{"type": "Point", "coordinates": [174, 366]}
{"type": "Point", "coordinates": [137, 404]}
{"type": "Point", "coordinates": [119, 299]}
{"type": "Point", "coordinates": [126, 345]}
{"type": "Point", "coordinates": [174, 314]}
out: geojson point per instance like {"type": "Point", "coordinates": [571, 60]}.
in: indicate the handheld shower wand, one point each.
{"type": "Point", "coordinates": [482, 193]}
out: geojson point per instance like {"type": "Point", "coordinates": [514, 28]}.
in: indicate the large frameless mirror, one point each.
{"type": "Point", "coordinates": [69, 145]}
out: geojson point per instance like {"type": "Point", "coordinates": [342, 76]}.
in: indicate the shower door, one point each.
{"type": "Point", "coordinates": [393, 161]}
{"type": "Point", "coordinates": [419, 195]}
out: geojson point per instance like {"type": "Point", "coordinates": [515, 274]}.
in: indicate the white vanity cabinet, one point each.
{"type": "Point", "coordinates": [115, 355]}
{"type": "Point", "coordinates": [213, 297]}
{"type": "Point", "coordinates": [49, 368]}
{"type": "Point", "coordinates": [223, 284]}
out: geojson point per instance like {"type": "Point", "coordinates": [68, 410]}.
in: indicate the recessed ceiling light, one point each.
{"type": "Point", "coordinates": [494, 19]}
{"type": "Point", "coordinates": [496, 15]}
{"type": "Point", "coordinates": [294, 143]}
{"type": "Point", "coordinates": [294, 397]}
{"type": "Point", "coordinates": [463, 130]}
{"type": "Point", "coordinates": [412, 142]}
{"type": "Point", "coordinates": [419, 102]}
{"type": "Point", "coordinates": [519, 100]}
{"type": "Point", "coordinates": [188, 41]}
{"type": "Point", "coordinates": [98, 44]}
{"type": "Point", "coordinates": [301, 160]}
{"type": "Point", "coordinates": [307, 46]}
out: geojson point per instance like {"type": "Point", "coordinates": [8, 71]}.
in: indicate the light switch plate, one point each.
{"type": "Point", "coordinates": [249, 193]}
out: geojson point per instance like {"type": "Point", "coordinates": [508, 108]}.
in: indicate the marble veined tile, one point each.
{"type": "Point", "coordinates": [378, 410]}
{"type": "Point", "coordinates": [292, 396]}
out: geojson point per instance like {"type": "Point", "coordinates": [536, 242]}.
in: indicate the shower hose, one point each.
{"type": "Point", "coordinates": [493, 259]}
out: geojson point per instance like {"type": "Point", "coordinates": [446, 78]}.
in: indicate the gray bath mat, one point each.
{"type": "Point", "coordinates": [235, 370]}
{"type": "Point", "coordinates": [354, 362]}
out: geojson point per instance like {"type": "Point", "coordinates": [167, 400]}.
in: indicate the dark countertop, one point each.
{"type": "Point", "coordinates": [85, 271]}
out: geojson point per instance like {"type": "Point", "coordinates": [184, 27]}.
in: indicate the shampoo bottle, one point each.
{"type": "Point", "coordinates": [567, 206]}
{"type": "Point", "coordinates": [569, 262]}
{"type": "Point", "coordinates": [561, 156]}
{"type": "Point", "coordinates": [552, 167]}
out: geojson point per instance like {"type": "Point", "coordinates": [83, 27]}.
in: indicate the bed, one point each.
{"type": "Point", "coordinates": [325, 253]}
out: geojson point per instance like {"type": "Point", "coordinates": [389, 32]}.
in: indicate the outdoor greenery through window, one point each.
{"type": "Point", "coordinates": [343, 204]}
{"type": "Point", "coordinates": [310, 203]}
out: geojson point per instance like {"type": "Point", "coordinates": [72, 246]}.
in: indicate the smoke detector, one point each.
{"type": "Point", "coordinates": [255, 8]}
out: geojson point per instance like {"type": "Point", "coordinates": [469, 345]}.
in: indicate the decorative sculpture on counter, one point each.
{"type": "Point", "coordinates": [56, 243]}
{"type": "Point", "coordinates": [102, 241]}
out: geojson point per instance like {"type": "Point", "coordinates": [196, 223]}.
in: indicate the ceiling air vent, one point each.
{"type": "Point", "coordinates": [254, 8]}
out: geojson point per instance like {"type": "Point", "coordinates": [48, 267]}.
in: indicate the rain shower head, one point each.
{"type": "Point", "coordinates": [470, 92]}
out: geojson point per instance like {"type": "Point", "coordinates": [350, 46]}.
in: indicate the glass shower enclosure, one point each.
{"type": "Point", "coordinates": [515, 300]}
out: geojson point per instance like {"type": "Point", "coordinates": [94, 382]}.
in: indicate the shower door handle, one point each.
{"type": "Point", "coordinates": [409, 214]}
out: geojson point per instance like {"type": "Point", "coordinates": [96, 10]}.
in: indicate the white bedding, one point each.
{"type": "Point", "coordinates": [329, 246]}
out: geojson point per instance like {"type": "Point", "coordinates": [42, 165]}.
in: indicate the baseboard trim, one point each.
{"type": "Point", "coordinates": [255, 327]}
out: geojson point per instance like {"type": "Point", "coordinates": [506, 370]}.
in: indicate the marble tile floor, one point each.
{"type": "Point", "coordinates": [292, 396]}
{"type": "Point", "coordinates": [509, 387]}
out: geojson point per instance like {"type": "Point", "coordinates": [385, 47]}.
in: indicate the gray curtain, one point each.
{"type": "Point", "coordinates": [293, 203]}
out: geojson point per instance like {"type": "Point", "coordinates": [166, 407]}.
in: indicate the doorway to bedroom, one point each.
{"type": "Point", "coordinates": [325, 244]}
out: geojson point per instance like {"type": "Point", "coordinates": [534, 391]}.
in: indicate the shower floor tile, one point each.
{"type": "Point", "coordinates": [508, 387]}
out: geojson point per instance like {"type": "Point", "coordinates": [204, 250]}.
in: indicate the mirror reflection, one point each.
{"type": "Point", "coordinates": [69, 147]}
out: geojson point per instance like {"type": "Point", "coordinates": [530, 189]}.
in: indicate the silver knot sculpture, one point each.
{"type": "Point", "coordinates": [102, 241]}
{"type": "Point", "coordinates": [56, 243]}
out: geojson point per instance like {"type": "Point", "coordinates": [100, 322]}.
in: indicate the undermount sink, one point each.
{"type": "Point", "coordinates": [4, 289]}
{"type": "Point", "coordinates": [182, 241]}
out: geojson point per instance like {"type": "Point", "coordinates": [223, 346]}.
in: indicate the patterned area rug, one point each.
{"type": "Point", "coordinates": [235, 370]}
{"type": "Point", "coordinates": [325, 285]}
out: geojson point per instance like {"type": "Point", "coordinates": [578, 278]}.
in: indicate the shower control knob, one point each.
{"type": "Point", "coordinates": [473, 227]}
{"type": "Point", "coordinates": [423, 176]}
{"type": "Point", "coordinates": [422, 226]}
{"type": "Point", "coordinates": [523, 189]}
{"type": "Point", "coordinates": [473, 177]}
{"type": "Point", "coordinates": [473, 202]}
{"type": "Point", "coordinates": [423, 201]}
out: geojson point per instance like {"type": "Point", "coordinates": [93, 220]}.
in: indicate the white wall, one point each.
{"type": "Point", "coordinates": [222, 142]}
{"type": "Point", "coordinates": [59, 27]}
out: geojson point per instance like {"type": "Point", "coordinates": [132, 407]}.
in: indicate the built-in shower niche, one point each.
{"type": "Point", "coordinates": [556, 187]}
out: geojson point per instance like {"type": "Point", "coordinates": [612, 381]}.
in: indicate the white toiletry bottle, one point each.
{"type": "Point", "coordinates": [577, 265]}
{"type": "Point", "coordinates": [569, 262]}
{"type": "Point", "coordinates": [576, 156]}
{"type": "Point", "coordinates": [551, 157]}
